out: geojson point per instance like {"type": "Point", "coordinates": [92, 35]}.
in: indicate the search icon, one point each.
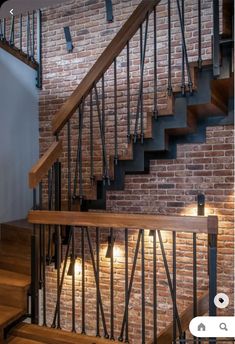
{"type": "Point", "coordinates": [223, 326]}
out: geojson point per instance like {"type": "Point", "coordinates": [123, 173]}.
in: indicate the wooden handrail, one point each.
{"type": "Point", "coordinates": [42, 166]}
{"type": "Point", "coordinates": [166, 335]}
{"type": "Point", "coordinates": [103, 63]}
{"type": "Point", "coordinates": [192, 224]}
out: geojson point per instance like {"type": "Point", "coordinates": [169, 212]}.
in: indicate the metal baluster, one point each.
{"type": "Point", "coordinates": [49, 181]}
{"type": "Point", "coordinates": [104, 154]}
{"type": "Point", "coordinates": [216, 39]}
{"type": "Point", "coordinates": [120, 338]}
{"type": "Point", "coordinates": [40, 238]}
{"type": "Point", "coordinates": [199, 36]}
{"type": "Point", "coordinates": [169, 88]}
{"type": "Point", "coordinates": [141, 84]}
{"type": "Point", "coordinates": [169, 282]}
{"type": "Point", "coordinates": [174, 285]}
{"type": "Point", "coordinates": [83, 282]}
{"type": "Point", "coordinates": [190, 84]}
{"type": "Point", "coordinates": [81, 109]}
{"type": "Point", "coordinates": [44, 284]}
{"type": "Point", "coordinates": [105, 176]}
{"type": "Point", "coordinates": [195, 279]}
{"type": "Point", "coordinates": [98, 282]}
{"type": "Point", "coordinates": [140, 96]}
{"type": "Point", "coordinates": [111, 290]}
{"type": "Point", "coordinates": [33, 35]}
{"type": "Point", "coordinates": [58, 265]}
{"type": "Point", "coordinates": [106, 335]}
{"type": "Point", "coordinates": [115, 114]}
{"type": "Point", "coordinates": [154, 289]}
{"type": "Point", "coordinates": [183, 86]}
{"type": "Point", "coordinates": [155, 107]}
{"type": "Point", "coordinates": [126, 287]}
{"type": "Point", "coordinates": [143, 286]}
{"type": "Point", "coordinates": [73, 282]}
{"type": "Point", "coordinates": [69, 164]}
{"type": "Point", "coordinates": [39, 49]}
{"type": "Point", "coordinates": [212, 243]}
{"type": "Point", "coordinates": [20, 32]}
{"type": "Point", "coordinates": [12, 31]}
{"type": "Point", "coordinates": [128, 93]}
{"type": "Point", "coordinates": [92, 178]}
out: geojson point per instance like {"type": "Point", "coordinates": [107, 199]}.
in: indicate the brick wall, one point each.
{"type": "Point", "coordinates": [171, 186]}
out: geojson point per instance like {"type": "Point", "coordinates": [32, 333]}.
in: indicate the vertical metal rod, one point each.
{"type": "Point", "coordinates": [98, 282]}
{"type": "Point", "coordinates": [155, 107]}
{"type": "Point", "coordinates": [35, 278]}
{"type": "Point", "coordinates": [44, 276]}
{"type": "Point", "coordinates": [111, 290]}
{"type": "Point", "coordinates": [141, 85]}
{"type": "Point", "coordinates": [169, 88]}
{"type": "Point", "coordinates": [58, 265]}
{"type": "Point", "coordinates": [33, 35]}
{"type": "Point", "coordinates": [81, 109]}
{"type": "Point", "coordinates": [106, 335]}
{"type": "Point", "coordinates": [169, 281]}
{"type": "Point", "coordinates": [140, 95]}
{"type": "Point", "coordinates": [57, 170]}
{"type": "Point", "coordinates": [128, 93]}
{"type": "Point", "coordinates": [115, 114]}
{"type": "Point", "coordinates": [174, 285]}
{"type": "Point", "coordinates": [183, 87]}
{"type": "Point", "coordinates": [216, 39]}
{"type": "Point", "coordinates": [91, 140]}
{"type": "Point", "coordinates": [126, 286]}
{"type": "Point", "coordinates": [73, 282]}
{"type": "Point", "coordinates": [40, 238]}
{"type": "Point", "coordinates": [20, 31]}
{"type": "Point", "coordinates": [103, 126]}
{"type": "Point", "coordinates": [154, 288]}
{"type": "Point", "coordinates": [39, 49]}
{"type": "Point", "coordinates": [143, 286]}
{"type": "Point", "coordinates": [190, 84]}
{"type": "Point", "coordinates": [69, 164]}
{"type": "Point", "coordinates": [212, 243]}
{"type": "Point", "coordinates": [199, 36]}
{"type": "Point", "coordinates": [195, 278]}
{"type": "Point", "coordinates": [120, 338]}
{"type": "Point", "coordinates": [83, 282]}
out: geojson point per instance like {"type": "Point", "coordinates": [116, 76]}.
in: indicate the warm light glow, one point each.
{"type": "Point", "coordinates": [78, 267]}
{"type": "Point", "coordinates": [116, 251]}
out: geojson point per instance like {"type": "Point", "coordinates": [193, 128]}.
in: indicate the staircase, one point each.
{"type": "Point", "coordinates": [207, 99]}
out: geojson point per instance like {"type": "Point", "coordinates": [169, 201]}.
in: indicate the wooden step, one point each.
{"type": "Point", "coordinates": [10, 278]}
{"type": "Point", "coordinates": [52, 336]}
{"type": "Point", "coordinates": [18, 340]}
{"type": "Point", "coordinates": [16, 260]}
{"type": "Point", "coordinates": [9, 314]}
{"type": "Point", "coordinates": [19, 231]}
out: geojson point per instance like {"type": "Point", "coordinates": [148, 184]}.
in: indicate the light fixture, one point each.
{"type": "Point", "coordinates": [68, 39]}
{"type": "Point", "coordinates": [111, 241]}
{"type": "Point", "coordinates": [200, 205]}
{"type": "Point", "coordinates": [74, 266]}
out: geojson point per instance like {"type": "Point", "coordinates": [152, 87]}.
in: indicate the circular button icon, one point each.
{"type": "Point", "coordinates": [221, 300]}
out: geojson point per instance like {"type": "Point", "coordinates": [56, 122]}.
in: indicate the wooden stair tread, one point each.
{"type": "Point", "coordinates": [18, 340]}
{"type": "Point", "coordinates": [22, 223]}
{"type": "Point", "coordinates": [9, 314]}
{"type": "Point", "coordinates": [51, 336]}
{"type": "Point", "coordinates": [14, 279]}
{"type": "Point", "coordinates": [8, 248]}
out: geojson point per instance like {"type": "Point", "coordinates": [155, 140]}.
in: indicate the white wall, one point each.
{"type": "Point", "coordinates": [19, 134]}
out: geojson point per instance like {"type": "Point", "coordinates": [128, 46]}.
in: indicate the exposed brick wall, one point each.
{"type": "Point", "coordinates": [170, 187]}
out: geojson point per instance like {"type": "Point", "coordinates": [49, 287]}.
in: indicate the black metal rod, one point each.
{"type": "Point", "coordinates": [128, 93]}
{"type": "Point", "coordinates": [195, 278]}
{"type": "Point", "coordinates": [103, 125]}
{"type": "Point", "coordinates": [44, 261]}
{"type": "Point", "coordinates": [183, 86]}
{"type": "Point", "coordinates": [106, 335]}
{"type": "Point", "coordinates": [216, 39]}
{"type": "Point", "coordinates": [111, 290]}
{"type": "Point", "coordinates": [169, 281]}
{"type": "Point", "coordinates": [141, 84]}
{"type": "Point", "coordinates": [190, 84]}
{"type": "Point", "coordinates": [69, 164]}
{"type": "Point", "coordinates": [174, 285]}
{"type": "Point", "coordinates": [140, 95]}
{"type": "Point", "coordinates": [155, 107]}
{"type": "Point", "coordinates": [169, 88]}
{"type": "Point", "coordinates": [212, 243]}
{"type": "Point", "coordinates": [120, 338]}
{"type": "Point", "coordinates": [58, 266]}
{"type": "Point", "coordinates": [57, 171]}
{"type": "Point", "coordinates": [35, 278]}
{"type": "Point", "coordinates": [199, 35]}
{"type": "Point", "coordinates": [115, 114]}
{"type": "Point", "coordinates": [143, 287]}
{"type": "Point", "coordinates": [83, 282]}
{"type": "Point", "coordinates": [154, 288]}
{"type": "Point", "coordinates": [73, 258]}
{"type": "Point", "coordinates": [39, 49]}
{"type": "Point", "coordinates": [98, 282]}
{"type": "Point", "coordinates": [126, 286]}
{"type": "Point", "coordinates": [104, 154]}
{"type": "Point", "coordinates": [91, 139]}
{"type": "Point", "coordinates": [81, 111]}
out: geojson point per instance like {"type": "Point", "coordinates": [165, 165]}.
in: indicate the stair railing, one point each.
{"type": "Point", "coordinates": [87, 232]}
{"type": "Point", "coordinates": [21, 35]}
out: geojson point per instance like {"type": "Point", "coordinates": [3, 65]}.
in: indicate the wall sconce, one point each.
{"type": "Point", "coordinates": [74, 266]}
{"type": "Point", "coordinates": [200, 205]}
{"type": "Point", "coordinates": [68, 39]}
{"type": "Point", "coordinates": [109, 11]}
{"type": "Point", "coordinates": [111, 241]}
